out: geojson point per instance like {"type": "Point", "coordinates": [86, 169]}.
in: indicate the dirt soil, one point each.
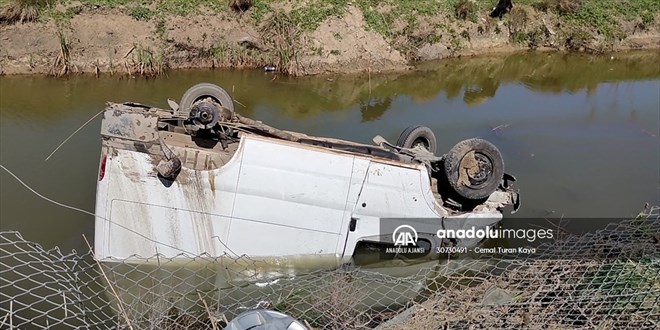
{"type": "Point", "coordinates": [98, 39]}
{"type": "Point", "coordinates": [346, 45]}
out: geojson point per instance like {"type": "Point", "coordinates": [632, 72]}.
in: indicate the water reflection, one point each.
{"type": "Point", "coordinates": [374, 109]}
{"type": "Point", "coordinates": [476, 80]}
{"type": "Point", "coordinates": [482, 92]}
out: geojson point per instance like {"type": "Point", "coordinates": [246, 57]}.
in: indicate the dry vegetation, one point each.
{"type": "Point", "coordinates": [282, 36]}
{"type": "Point", "coordinates": [21, 11]}
{"type": "Point", "coordinates": [566, 294]}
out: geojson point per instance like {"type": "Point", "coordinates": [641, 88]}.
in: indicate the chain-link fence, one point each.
{"type": "Point", "coordinates": [606, 279]}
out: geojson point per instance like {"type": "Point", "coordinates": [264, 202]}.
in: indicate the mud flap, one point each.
{"type": "Point", "coordinates": [169, 166]}
{"type": "Point", "coordinates": [507, 180]}
{"type": "Point", "coordinates": [515, 198]}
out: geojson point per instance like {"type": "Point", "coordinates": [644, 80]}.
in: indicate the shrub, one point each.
{"type": "Point", "coordinates": [141, 13]}
{"type": "Point", "coordinates": [240, 5]}
{"type": "Point", "coordinates": [465, 9]}
{"type": "Point", "coordinates": [21, 11]}
{"type": "Point", "coordinates": [281, 34]}
{"type": "Point", "coordinates": [518, 20]}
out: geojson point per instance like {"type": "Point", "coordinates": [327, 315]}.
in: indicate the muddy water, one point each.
{"type": "Point", "coordinates": [581, 133]}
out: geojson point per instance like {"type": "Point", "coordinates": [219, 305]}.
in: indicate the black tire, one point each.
{"type": "Point", "coordinates": [415, 135]}
{"type": "Point", "coordinates": [474, 168]}
{"type": "Point", "coordinates": [201, 91]}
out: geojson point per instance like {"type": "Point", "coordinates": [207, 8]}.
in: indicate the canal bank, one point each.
{"type": "Point", "coordinates": [305, 37]}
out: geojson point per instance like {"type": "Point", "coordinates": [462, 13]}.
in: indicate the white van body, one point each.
{"type": "Point", "coordinates": [264, 197]}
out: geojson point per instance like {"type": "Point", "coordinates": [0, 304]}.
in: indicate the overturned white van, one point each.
{"type": "Point", "coordinates": [199, 179]}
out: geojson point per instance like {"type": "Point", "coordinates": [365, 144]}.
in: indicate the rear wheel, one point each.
{"type": "Point", "coordinates": [204, 91]}
{"type": "Point", "coordinates": [474, 168]}
{"type": "Point", "coordinates": [418, 136]}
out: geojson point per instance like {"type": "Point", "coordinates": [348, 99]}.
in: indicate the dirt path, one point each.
{"type": "Point", "coordinates": [83, 38]}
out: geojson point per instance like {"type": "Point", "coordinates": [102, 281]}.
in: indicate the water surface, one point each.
{"type": "Point", "coordinates": [581, 133]}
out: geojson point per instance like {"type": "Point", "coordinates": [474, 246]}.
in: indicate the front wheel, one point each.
{"type": "Point", "coordinates": [418, 136]}
{"type": "Point", "coordinates": [204, 91]}
{"type": "Point", "coordinates": [474, 168]}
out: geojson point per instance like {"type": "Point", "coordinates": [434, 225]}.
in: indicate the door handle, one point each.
{"type": "Point", "coordinates": [353, 224]}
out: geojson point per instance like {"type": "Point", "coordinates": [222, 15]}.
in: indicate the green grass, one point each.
{"type": "Point", "coordinates": [378, 22]}
{"type": "Point", "coordinates": [141, 13]}
{"type": "Point", "coordinates": [259, 9]}
{"type": "Point", "coordinates": [150, 62]}
{"type": "Point", "coordinates": [310, 16]}
{"type": "Point", "coordinates": [187, 7]}
{"type": "Point", "coordinates": [604, 15]}
{"type": "Point", "coordinates": [139, 10]}
{"type": "Point", "coordinates": [380, 15]}
{"type": "Point", "coordinates": [63, 17]}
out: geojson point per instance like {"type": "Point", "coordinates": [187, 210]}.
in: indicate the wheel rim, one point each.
{"type": "Point", "coordinates": [206, 98]}
{"type": "Point", "coordinates": [480, 173]}
{"type": "Point", "coordinates": [421, 143]}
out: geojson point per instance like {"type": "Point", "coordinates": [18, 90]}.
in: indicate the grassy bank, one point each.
{"type": "Point", "coordinates": [304, 37]}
